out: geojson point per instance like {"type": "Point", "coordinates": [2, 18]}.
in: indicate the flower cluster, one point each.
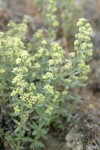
{"type": "Point", "coordinates": [48, 76]}
{"type": "Point", "coordinates": [49, 88]}
{"type": "Point", "coordinates": [83, 47]}
{"type": "Point", "coordinates": [50, 15]}
{"type": "Point", "coordinates": [16, 108]}
{"type": "Point", "coordinates": [19, 30]}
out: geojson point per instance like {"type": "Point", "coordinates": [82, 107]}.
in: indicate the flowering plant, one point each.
{"type": "Point", "coordinates": [36, 75]}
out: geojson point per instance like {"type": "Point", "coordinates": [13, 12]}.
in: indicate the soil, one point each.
{"type": "Point", "coordinates": [83, 133]}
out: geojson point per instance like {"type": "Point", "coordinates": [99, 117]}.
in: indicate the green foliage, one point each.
{"type": "Point", "coordinates": [36, 75]}
{"type": "Point", "coordinates": [69, 12]}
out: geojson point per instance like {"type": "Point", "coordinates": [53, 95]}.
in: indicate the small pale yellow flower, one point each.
{"type": "Point", "coordinates": [49, 88]}
{"type": "Point", "coordinates": [17, 109]}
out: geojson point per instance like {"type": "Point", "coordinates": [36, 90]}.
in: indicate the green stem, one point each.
{"type": "Point", "coordinates": [20, 135]}
{"type": "Point", "coordinates": [3, 92]}
{"type": "Point", "coordinates": [71, 110]}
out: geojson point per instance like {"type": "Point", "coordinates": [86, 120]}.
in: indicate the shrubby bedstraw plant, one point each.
{"type": "Point", "coordinates": [36, 76]}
